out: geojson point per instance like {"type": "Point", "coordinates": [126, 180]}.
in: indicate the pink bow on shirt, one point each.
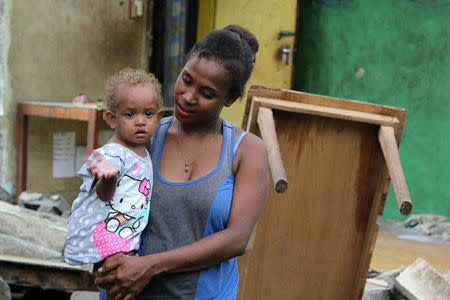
{"type": "Point", "coordinates": [144, 187]}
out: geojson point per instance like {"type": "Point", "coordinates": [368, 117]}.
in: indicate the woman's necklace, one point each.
{"type": "Point", "coordinates": [188, 164]}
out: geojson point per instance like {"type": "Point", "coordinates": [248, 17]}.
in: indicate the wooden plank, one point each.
{"type": "Point", "coordinates": [57, 112]}
{"type": "Point", "coordinates": [370, 237]}
{"type": "Point", "coordinates": [307, 98]}
{"type": "Point", "coordinates": [254, 116]}
{"type": "Point", "coordinates": [45, 274]}
{"type": "Point", "coordinates": [330, 112]}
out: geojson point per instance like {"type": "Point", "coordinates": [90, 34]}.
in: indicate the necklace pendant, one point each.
{"type": "Point", "coordinates": [186, 167]}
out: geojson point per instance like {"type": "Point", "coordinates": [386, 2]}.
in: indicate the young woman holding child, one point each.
{"type": "Point", "coordinates": [210, 184]}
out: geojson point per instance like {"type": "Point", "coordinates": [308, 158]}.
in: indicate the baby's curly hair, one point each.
{"type": "Point", "coordinates": [129, 77]}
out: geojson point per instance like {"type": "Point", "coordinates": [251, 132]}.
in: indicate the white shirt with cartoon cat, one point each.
{"type": "Point", "coordinates": [98, 229]}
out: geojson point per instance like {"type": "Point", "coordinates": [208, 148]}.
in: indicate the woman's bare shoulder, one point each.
{"type": "Point", "coordinates": [251, 147]}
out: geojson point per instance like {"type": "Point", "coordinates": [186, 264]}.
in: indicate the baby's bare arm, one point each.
{"type": "Point", "coordinates": [106, 175]}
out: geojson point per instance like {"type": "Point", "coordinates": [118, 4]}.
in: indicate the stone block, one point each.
{"type": "Point", "coordinates": [421, 281]}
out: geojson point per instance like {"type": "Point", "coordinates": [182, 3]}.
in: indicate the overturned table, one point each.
{"type": "Point", "coordinates": [331, 161]}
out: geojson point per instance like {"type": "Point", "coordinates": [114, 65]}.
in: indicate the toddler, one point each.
{"type": "Point", "coordinates": [113, 205]}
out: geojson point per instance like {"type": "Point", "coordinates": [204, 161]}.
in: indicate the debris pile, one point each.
{"type": "Point", "coordinates": [36, 227]}
{"type": "Point", "coordinates": [418, 281]}
{"type": "Point", "coordinates": [424, 227]}
{"type": "Point", "coordinates": [435, 226]}
{"type": "Point", "coordinates": [48, 204]}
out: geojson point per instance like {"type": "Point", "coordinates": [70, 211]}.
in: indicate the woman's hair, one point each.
{"type": "Point", "coordinates": [235, 48]}
{"type": "Point", "coordinates": [129, 77]}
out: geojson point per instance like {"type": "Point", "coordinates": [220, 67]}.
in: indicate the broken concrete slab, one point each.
{"type": "Point", "coordinates": [48, 203]}
{"type": "Point", "coordinates": [18, 222]}
{"type": "Point", "coordinates": [421, 281]}
{"type": "Point", "coordinates": [11, 245]}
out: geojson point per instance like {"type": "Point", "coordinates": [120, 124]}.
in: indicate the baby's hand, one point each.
{"type": "Point", "coordinates": [102, 168]}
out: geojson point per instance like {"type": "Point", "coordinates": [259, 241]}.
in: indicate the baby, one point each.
{"type": "Point", "coordinates": [113, 205]}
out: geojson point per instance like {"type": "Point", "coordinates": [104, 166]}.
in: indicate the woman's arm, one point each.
{"type": "Point", "coordinates": [129, 275]}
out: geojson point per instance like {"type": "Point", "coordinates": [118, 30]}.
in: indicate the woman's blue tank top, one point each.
{"type": "Point", "coordinates": [184, 212]}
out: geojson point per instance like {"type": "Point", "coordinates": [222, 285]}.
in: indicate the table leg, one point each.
{"type": "Point", "coordinates": [92, 136]}
{"type": "Point", "coordinates": [22, 134]}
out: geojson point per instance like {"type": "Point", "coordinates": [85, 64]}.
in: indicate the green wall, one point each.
{"type": "Point", "coordinates": [390, 52]}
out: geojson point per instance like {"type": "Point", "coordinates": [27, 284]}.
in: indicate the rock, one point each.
{"type": "Point", "coordinates": [46, 203]}
{"type": "Point", "coordinates": [421, 281]}
{"type": "Point", "coordinates": [5, 292]}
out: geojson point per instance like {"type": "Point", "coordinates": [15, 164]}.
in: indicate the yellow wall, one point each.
{"type": "Point", "coordinates": [265, 19]}
{"type": "Point", "coordinates": [206, 17]}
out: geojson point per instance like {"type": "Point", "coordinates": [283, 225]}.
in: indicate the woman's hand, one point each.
{"type": "Point", "coordinates": [102, 168]}
{"type": "Point", "coordinates": [123, 276]}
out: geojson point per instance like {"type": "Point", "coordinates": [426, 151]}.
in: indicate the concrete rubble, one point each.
{"type": "Point", "coordinates": [34, 227]}
{"type": "Point", "coordinates": [422, 227]}
{"type": "Point", "coordinates": [45, 203]}
{"type": "Point", "coordinates": [416, 282]}
{"type": "Point", "coordinates": [401, 284]}
{"type": "Point", "coordinates": [422, 281]}
{"type": "Point", "coordinates": [25, 233]}
{"type": "Point", "coordinates": [380, 285]}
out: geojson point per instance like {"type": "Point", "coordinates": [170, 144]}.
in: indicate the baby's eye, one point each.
{"type": "Point", "coordinates": [129, 114]}
{"type": "Point", "coordinates": [149, 113]}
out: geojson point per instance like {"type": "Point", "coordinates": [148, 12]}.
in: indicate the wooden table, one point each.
{"type": "Point", "coordinates": [65, 111]}
{"type": "Point", "coordinates": [315, 240]}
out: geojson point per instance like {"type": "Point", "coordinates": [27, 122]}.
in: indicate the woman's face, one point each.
{"type": "Point", "coordinates": [201, 91]}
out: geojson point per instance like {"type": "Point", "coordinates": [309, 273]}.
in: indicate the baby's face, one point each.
{"type": "Point", "coordinates": [137, 115]}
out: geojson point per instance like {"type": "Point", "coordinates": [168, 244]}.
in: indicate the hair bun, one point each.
{"type": "Point", "coordinates": [246, 35]}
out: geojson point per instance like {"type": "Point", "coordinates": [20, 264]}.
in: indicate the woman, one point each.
{"type": "Point", "coordinates": [211, 183]}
